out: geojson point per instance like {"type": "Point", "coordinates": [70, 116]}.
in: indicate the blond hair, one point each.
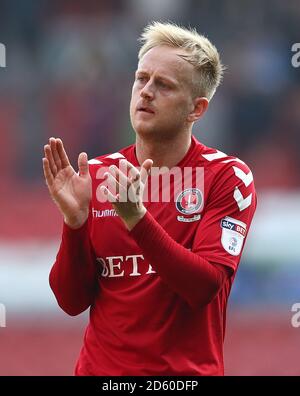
{"type": "Point", "coordinates": [202, 54]}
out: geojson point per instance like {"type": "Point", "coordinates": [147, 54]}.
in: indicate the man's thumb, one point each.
{"type": "Point", "coordinates": [83, 165]}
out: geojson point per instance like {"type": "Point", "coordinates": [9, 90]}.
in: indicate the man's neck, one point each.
{"type": "Point", "coordinates": [163, 153]}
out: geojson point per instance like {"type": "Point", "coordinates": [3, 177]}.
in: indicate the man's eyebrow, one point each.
{"type": "Point", "coordinates": [140, 72]}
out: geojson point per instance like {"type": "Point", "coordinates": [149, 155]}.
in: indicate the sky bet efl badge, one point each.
{"type": "Point", "coordinates": [188, 202]}
{"type": "Point", "coordinates": [233, 234]}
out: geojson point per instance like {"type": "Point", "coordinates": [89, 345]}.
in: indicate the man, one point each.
{"type": "Point", "coordinates": [155, 274]}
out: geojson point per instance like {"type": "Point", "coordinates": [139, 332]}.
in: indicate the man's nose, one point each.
{"type": "Point", "coordinates": [147, 91]}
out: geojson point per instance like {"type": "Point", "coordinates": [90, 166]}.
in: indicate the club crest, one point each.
{"type": "Point", "coordinates": [189, 201]}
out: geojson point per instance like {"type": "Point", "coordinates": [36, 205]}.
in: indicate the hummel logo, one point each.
{"type": "Point", "coordinates": [104, 213]}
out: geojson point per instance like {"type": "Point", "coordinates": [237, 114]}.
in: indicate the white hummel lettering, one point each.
{"type": "Point", "coordinates": [115, 156]}
{"type": "Point", "coordinates": [242, 202]}
{"type": "Point", "coordinates": [104, 213]}
{"type": "Point", "coordinates": [247, 179]}
{"type": "Point", "coordinates": [213, 156]}
{"type": "Point", "coordinates": [94, 162]}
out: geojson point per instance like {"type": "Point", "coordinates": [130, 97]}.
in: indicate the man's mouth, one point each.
{"type": "Point", "coordinates": [145, 109]}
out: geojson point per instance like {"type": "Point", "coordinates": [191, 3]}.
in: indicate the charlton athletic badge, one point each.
{"type": "Point", "coordinates": [189, 201]}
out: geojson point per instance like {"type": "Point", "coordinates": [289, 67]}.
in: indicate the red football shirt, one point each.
{"type": "Point", "coordinates": [151, 310]}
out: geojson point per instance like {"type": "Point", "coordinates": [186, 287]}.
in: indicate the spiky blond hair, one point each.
{"type": "Point", "coordinates": [202, 54]}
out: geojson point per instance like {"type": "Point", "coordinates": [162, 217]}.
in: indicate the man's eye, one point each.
{"type": "Point", "coordinates": [141, 79]}
{"type": "Point", "coordinates": [163, 85]}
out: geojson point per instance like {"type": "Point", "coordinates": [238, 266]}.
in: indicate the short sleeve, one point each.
{"type": "Point", "coordinates": [226, 219]}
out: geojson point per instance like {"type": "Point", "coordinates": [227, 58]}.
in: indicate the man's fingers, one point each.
{"type": "Point", "coordinates": [49, 157]}
{"type": "Point", "coordinates": [83, 165]}
{"type": "Point", "coordinates": [47, 172]}
{"type": "Point", "coordinates": [132, 171]}
{"type": "Point", "coordinates": [123, 187]}
{"type": "Point", "coordinates": [132, 182]}
{"type": "Point", "coordinates": [145, 169]}
{"type": "Point", "coordinates": [56, 157]}
{"type": "Point", "coordinates": [110, 197]}
{"type": "Point", "coordinates": [120, 176]}
{"type": "Point", "coordinates": [115, 187]}
{"type": "Point", "coordinates": [62, 153]}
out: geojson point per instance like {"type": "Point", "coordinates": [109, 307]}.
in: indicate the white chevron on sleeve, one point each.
{"type": "Point", "coordinates": [115, 156]}
{"type": "Point", "coordinates": [94, 161]}
{"type": "Point", "coordinates": [233, 160]}
{"type": "Point", "coordinates": [242, 202]}
{"type": "Point", "coordinates": [247, 178]}
{"type": "Point", "coordinates": [213, 156]}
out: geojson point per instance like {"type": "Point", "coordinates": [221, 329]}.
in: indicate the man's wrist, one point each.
{"type": "Point", "coordinates": [132, 221]}
{"type": "Point", "coordinates": [75, 223]}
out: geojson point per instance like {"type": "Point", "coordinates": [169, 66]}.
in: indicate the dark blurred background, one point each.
{"type": "Point", "coordinates": [69, 71]}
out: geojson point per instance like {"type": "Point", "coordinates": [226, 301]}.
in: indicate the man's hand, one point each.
{"type": "Point", "coordinates": [70, 191]}
{"type": "Point", "coordinates": [128, 197]}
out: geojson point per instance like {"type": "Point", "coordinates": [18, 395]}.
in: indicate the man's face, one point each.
{"type": "Point", "coordinates": [161, 97]}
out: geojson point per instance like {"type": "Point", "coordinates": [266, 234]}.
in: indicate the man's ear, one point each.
{"type": "Point", "coordinates": [200, 107]}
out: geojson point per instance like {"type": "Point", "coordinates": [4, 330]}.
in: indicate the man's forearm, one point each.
{"type": "Point", "coordinates": [193, 277]}
{"type": "Point", "coordinates": [73, 276]}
